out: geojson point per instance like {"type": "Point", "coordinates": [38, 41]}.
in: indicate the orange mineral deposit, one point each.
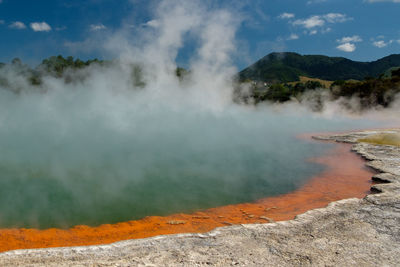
{"type": "Point", "coordinates": [345, 176]}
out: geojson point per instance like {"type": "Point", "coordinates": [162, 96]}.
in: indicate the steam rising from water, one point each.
{"type": "Point", "coordinates": [116, 145]}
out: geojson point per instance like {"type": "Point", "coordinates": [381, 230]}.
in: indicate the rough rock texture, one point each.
{"type": "Point", "coordinates": [362, 232]}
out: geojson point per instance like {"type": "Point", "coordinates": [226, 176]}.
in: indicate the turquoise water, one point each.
{"type": "Point", "coordinates": [109, 191]}
{"type": "Point", "coordinates": [81, 159]}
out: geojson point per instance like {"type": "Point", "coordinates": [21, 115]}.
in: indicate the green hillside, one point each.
{"type": "Point", "coordinates": [287, 67]}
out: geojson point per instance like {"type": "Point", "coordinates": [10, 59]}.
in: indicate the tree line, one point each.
{"type": "Point", "coordinates": [371, 91]}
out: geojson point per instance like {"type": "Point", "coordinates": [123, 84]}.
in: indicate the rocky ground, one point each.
{"type": "Point", "coordinates": [362, 232]}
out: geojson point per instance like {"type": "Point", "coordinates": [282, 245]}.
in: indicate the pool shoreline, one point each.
{"type": "Point", "coordinates": [334, 183]}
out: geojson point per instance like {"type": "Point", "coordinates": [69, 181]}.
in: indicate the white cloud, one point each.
{"type": "Point", "coordinates": [348, 39]}
{"type": "Point", "coordinates": [347, 47]}
{"type": "Point", "coordinates": [152, 23]}
{"type": "Point", "coordinates": [40, 27]}
{"type": "Point", "coordinates": [293, 37]}
{"type": "Point", "coordinates": [326, 30]}
{"type": "Point", "coordinates": [313, 32]}
{"type": "Point", "coordinates": [97, 27]}
{"type": "Point", "coordinates": [286, 16]}
{"type": "Point", "coordinates": [17, 25]}
{"type": "Point", "coordinates": [398, 41]}
{"type": "Point", "coordinates": [311, 22]}
{"type": "Point", "coordinates": [336, 18]}
{"type": "Point", "coordinates": [381, 44]}
{"type": "Point", "coordinates": [321, 20]}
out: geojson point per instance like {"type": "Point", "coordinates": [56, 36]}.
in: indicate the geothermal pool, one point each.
{"type": "Point", "coordinates": [177, 176]}
{"type": "Point", "coordinates": [64, 163]}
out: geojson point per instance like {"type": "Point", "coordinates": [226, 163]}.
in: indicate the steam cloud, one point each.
{"type": "Point", "coordinates": [121, 141]}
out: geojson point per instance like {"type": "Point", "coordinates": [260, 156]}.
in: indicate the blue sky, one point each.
{"type": "Point", "coordinates": [362, 30]}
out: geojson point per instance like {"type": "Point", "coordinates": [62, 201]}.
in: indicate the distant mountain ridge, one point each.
{"type": "Point", "coordinates": [288, 66]}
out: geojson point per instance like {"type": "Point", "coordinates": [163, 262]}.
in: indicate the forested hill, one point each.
{"type": "Point", "coordinates": [287, 67]}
